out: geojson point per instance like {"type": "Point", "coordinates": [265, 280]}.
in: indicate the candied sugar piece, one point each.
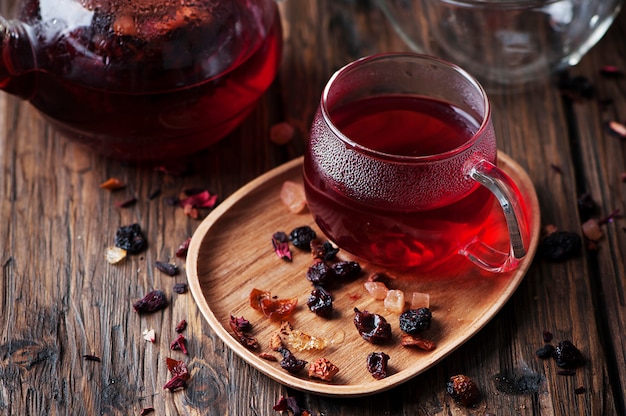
{"type": "Point", "coordinates": [377, 290]}
{"type": "Point", "coordinates": [301, 341]}
{"type": "Point", "coordinates": [323, 369]}
{"type": "Point", "coordinates": [420, 300]}
{"type": "Point", "coordinates": [149, 335]}
{"type": "Point", "coordinates": [115, 254]}
{"type": "Point", "coordinates": [394, 301]}
{"type": "Point", "coordinates": [292, 195]}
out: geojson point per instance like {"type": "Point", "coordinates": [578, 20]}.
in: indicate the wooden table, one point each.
{"type": "Point", "coordinates": [60, 299]}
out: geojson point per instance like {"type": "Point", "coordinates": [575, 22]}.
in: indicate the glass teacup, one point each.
{"type": "Point", "coordinates": [400, 168]}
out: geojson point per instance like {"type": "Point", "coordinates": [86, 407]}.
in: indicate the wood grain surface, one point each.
{"type": "Point", "coordinates": [60, 299]}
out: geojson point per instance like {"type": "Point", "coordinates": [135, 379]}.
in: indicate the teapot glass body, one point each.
{"type": "Point", "coordinates": [142, 79]}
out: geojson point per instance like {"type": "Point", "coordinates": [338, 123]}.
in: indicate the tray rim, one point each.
{"type": "Point", "coordinates": [349, 390]}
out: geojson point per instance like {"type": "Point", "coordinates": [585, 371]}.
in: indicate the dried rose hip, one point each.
{"type": "Point", "coordinates": [301, 237]}
{"type": "Point", "coordinates": [320, 302]}
{"type": "Point", "coordinates": [415, 341]}
{"type": "Point", "coordinates": [415, 321]}
{"type": "Point", "coordinates": [567, 355]}
{"type": "Point", "coordinates": [346, 269]}
{"type": "Point", "coordinates": [463, 390]}
{"type": "Point", "coordinates": [151, 302]}
{"type": "Point", "coordinates": [323, 369]}
{"type": "Point", "coordinates": [560, 245]}
{"type": "Point", "coordinates": [377, 364]}
{"type": "Point", "coordinates": [131, 239]}
{"type": "Point", "coordinates": [275, 309]}
{"type": "Point", "coordinates": [290, 362]}
{"type": "Point", "coordinates": [373, 327]}
{"type": "Point", "coordinates": [320, 273]}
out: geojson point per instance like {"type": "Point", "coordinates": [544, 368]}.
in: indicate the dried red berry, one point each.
{"type": "Point", "coordinates": [151, 302]}
{"type": "Point", "coordinates": [180, 288]}
{"type": "Point", "coordinates": [181, 326]}
{"type": "Point", "coordinates": [463, 390]}
{"type": "Point", "coordinates": [286, 404]}
{"type": "Point", "coordinates": [415, 321]}
{"type": "Point", "coordinates": [377, 364]}
{"type": "Point", "coordinates": [372, 327]}
{"type": "Point", "coordinates": [346, 269]}
{"type": "Point", "coordinates": [320, 273]}
{"type": "Point", "coordinates": [320, 302]}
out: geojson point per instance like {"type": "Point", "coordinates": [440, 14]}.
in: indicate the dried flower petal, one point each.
{"type": "Point", "coordinates": [169, 269]}
{"type": "Point", "coordinates": [181, 326]}
{"type": "Point", "coordinates": [126, 203]}
{"type": "Point", "coordinates": [112, 184]}
{"type": "Point", "coordinates": [280, 242]}
{"type": "Point", "coordinates": [241, 323]}
{"type": "Point", "coordinates": [181, 252]}
{"type": "Point", "coordinates": [149, 335]}
{"type": "Point", "coordinates": [180, 288]}
{"type": "Point", "coordinates": [89, 357]}
{"type": "Point", "coordinates": [176, 383]}
{"type": "Point", "coordinates": [151, 302]}
{"type": "Point", "coordinates": [415, 341]}
{"type": "Point", "coordinates": [267, 356]}
{"type": "Point", "coordinates": [199, 200]}
{"type": "Point", "coordinates": [177, 368]}
{"type": "Point", "coordinates": [275, 309]}
{"type": "Point", "coordinates": [115, 254]}
{"type": "Point", "coordinates": [243, 338]}
{"type": "Point", "coordinates": [292, 195]}
{"type": "Point", "coordinates": [286, 404]}
{"type": "Point", "coordinates": [180, 343]}
{"type": "Point", "coordinates": [611, 71]}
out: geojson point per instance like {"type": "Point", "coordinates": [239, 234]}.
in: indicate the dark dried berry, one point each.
{"type": "Point", "coordinates": [169, 269]}
{"type": "Point", "coordinates": [415, 321]}
{"type": "Point", "coordinates": [586, 206]}
{"type": "Point", "coordinates": [131, 239]}
{"type": "Point", "coordinates": [180, 288]}
{"type": "Point", "coordinates": [320, 302]}
{"type": "Point", "coordinates": [372, 327]}
{"type": "Point", "coordinates": [545, 351]}
{"type": "Point", "coordinates": [290, 362]}
{"type": "Point", "coordinates": [90, 357]}
{"type": "Point", "coordinates": [320, 273]}
{"type": "Point", "coordinates": [567, 355]}
{"type": "Point", "coordinates": [463, 390]}
{"type": "Point", "coordinates": [323, 251]}
{"type": "Point", "coordinates": [346, 269]}
{"type": "Point", "coordinates": [560, 245]}
{"type": "Point", "coordinates": [547, 336]}
{"type": "Point", "coordinates": [301, 237]}
{"type": "Point", "coordinates": [151, 302]}
{"type": "Point", "coordinates": [580, 390]}
{"type": "Point", "coordinates": [377, 364]}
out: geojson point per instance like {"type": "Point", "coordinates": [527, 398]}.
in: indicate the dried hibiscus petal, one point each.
{"type": "Point", "coordinates": [372, 327]}
{"type": "Point", "coordinates": [181, 326]}
{"type": "Point", "coordinates": [182, 250]}
{"type": "Point", "coordinates": [131, 239]}
{"type": "Point", "coordinates": [275, 309]}
{"type": "Point", "coordinates": [180, 374]}
{"type": "Point", "coordinates": [377, 364]}
{"type": "Point", "coordinates": [180, 343]}
{"type": "Point", "coordinates": [280, 242]}
{"type": "Point", "coordinates": [241, 323]}
{"type": "Point", "coordinates": [151, 302]}
{"type": "Point", "coordinates": [243, 338]}
{"type": "Point", "coordinates": [202, 199]}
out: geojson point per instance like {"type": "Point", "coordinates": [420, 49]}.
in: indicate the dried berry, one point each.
{"type": "Point", "coordinates": [567, 355]}
{"type": "Point", "coordinates": [180, 288]}
{"type": "Point", "coordinates": [182, 250]}
{"type": "Point", "coordinates": [280, 242]}
{"type": "Point", "coordinates": [90, 357]}
{"type": "Point", "coordinates": [377, 364]}
{"type": "Point", "coordinates": [323, 369]}
{"type": "Point", "coordinates": [372, 327]}
{"type": "Point", "coordinates": [286, 404]}
{"type": "Point", "coordinates": [320, 273]}
{"type": "Point", "coordinates": [586, 206]}
{"type": "Point", "coordinates": [131, 239]}
{"type": "Point", "coordinates": [346, 269]}
{"type": "Point", "coordinates": [463, 390]}
{"type": "Point", "coordinates": [415, 321]}
{"type": "Point", "coordinates": [169, 269]}
{"type": "Point", "coordinates": [290, 362]}
{"type": "Point", "coordinates": [323, 251]}
{"type": "Point", "coordinates": [301, 237]}
{"type": "Point", "coordinates": [560, 246]}
{"type": "Point", "coordinates": [320, 302]}
{"type": "Point", "coordinates": [545, 351]}
{"type": "Point", "coordinates": [151, 302]}
{"type": "Point", "coordinates": [547, 336]}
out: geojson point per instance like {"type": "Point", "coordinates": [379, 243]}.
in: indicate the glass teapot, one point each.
{"type": "Point", "coordinates": [142, 79]}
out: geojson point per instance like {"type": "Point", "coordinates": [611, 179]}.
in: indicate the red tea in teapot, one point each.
{"type": "Point", "coordinates": [143, 79]}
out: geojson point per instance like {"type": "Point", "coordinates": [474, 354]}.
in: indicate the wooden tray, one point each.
{"type": "Point", "coordinates": [231, 253]}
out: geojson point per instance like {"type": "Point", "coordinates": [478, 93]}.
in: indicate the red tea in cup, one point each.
{"type": "Point", "coordinates": [396, 166]}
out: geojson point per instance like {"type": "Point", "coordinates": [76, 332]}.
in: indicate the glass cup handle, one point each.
{"type": "Point", "coordinates": [508, 195]}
